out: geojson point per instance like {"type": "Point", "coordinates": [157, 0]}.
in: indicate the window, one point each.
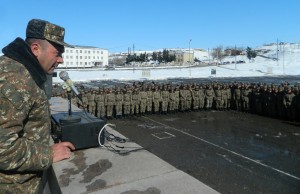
{"type": "Point", "coordinates": [71, 51]}
{"type": "Point", "coordinates": [67, 50]}
{"type": "Point", "coordinates": [85, 57]}
{"type": "Point", "coordinates": [80, 51]}
{"type": "Point", "coordinates": [80, 57]}
{"type": "Point", "coordinates": [101, 52]}
{"type": "Point", "coordinates": [71, 57]}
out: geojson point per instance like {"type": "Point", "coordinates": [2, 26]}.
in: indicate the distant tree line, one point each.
{"type": "Point", "coordinates": [161, 57]}
{"type": "Point", "coordinates": [219, 53]}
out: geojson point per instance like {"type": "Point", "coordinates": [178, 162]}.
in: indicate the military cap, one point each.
{"type": "Point", "coordinates": [41, 29]}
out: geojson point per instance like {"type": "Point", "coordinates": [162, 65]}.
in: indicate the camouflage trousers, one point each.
{"type": "Point", "coordinates": [100, 111]}
{"type": "Point", "coordinates": [29, 187]}
{"type": "Point", "coordinates": [126, 109]}
{"type": "Point", "coordinates": [149, 106]}
{"type": "Point", "coordinates": [143, 106]}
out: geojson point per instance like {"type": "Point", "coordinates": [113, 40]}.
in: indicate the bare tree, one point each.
{"type": "Point", "coordinates": [118, 61]}
{"type": "Point", "coordinates": [218, 53]}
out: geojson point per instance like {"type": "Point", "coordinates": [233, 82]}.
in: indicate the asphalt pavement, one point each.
{"type": "Point", "coordinates": [231, 152]}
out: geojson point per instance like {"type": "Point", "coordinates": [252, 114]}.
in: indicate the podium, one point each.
{"type": "Point", "coordinates": [82, 133]}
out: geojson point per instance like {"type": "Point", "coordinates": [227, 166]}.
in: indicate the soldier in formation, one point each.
{"type": "Point", "coordinates": [281, 101]}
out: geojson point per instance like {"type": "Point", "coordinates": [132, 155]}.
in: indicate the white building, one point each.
{"type": "Point", "coordinates": [84, 57]}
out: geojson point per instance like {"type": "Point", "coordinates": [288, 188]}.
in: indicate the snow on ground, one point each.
{"type": "Point", "coordinates": [288, 64]}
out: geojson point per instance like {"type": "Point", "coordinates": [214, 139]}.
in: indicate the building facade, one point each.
{"type": "Point", "coordinates": [183, 56]}
{"type": "Point", "coordinates": [81, 57]}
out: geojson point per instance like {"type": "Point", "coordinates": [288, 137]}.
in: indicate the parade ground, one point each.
{"type": "Point", "coordinates": [231, 152]}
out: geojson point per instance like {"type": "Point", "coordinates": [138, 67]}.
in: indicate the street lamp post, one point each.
{"type": "Point", "coordinates": [190, 50]}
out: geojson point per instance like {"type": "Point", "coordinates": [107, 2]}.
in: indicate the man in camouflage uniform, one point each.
{"type": "Point", "coordinates": [156, 100]}
{"type": "Point", "coordinates": [201, 98]}
{"type": "Point", "coordinates": [224, 97]}
{"type": "Point", "coordinates": [171, 101]}
{"type": "Point", "coordinates": [237, 97]}
{"type": "Point", "coordinates": [127, 97]}
{"type": "Point", "coordinates": [164, 100]}
{"type": "Point", "coordinates": [119, 103]}
{"type": "Point", "coordinates": [100, 103]}
{"type": "Point", "coordinates": [245, 94]}
{"type": "Point", "coordinates": [110, 101]}
{"type": "Point", "coordinates": [135, 103]}
{"type": "Point", "coordinates": [85, 101]}
{"type": "Point", "coordinates": [24, 108]}
{"type": "Point", "coordinates": [188, 95]}
{"type": "Point", "coordinates": [92, 102]}
{"type": "Point", "coordinates": [195, 98]}
{"type": "Point", "coordinates": [143, 104]}
{"type": "Point", "coordinates": [209, 97]}
{"type": "Point", "coordinates": [182, 99]}
{"type": "Point", "coordinates": [149, 100]}
{"type": "Point", "coordinates": [177, 99]}
{"type": "Point", "coordinates": [288, 101]}
{"type": "Point", "coordinates": [218, 97]}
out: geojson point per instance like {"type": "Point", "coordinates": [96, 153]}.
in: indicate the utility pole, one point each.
{"type": "Point", "coordinates": [235, 57]}
{"type": "Point", "coordinates": [208, 56]}
{"type": "Point", "coordinates": [190, 50]}
{"type": "Point", "coordinates": [277, 53]}
{"type": "Point", "coordinates": [133, 49]}
{"type": "Point", "coordinates": [283, 58]}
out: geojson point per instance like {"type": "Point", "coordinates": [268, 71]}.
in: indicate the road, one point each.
{"type": "Point", "coordinates": [232, 152]}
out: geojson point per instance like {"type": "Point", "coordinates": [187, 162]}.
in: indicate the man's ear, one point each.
{"type": "Point", "coordinates": [35, 48]}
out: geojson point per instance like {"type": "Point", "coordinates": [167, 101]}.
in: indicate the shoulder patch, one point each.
{"type": "Point", "coordinates": [9, 91]}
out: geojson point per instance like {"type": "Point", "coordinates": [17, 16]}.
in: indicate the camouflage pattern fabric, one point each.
{"type": "Point", "coordinates": [24, 123]}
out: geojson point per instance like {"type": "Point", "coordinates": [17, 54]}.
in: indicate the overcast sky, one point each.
{"type": "Point", "coordinates": [117, 25]}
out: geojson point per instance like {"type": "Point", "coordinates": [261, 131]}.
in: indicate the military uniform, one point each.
{"type": "Point", "coordinates": [143, 104]}
{"type": "Point", "coordinates": [149, 100]}
{"type": "Point", "coordinates": [25, 116]}
{"type": "Point", "coordinates": [182, 98]}
{"type": "Point", "coordinates": [156, 100]}
{"type": "Point", "coordinates": [92, 102]}
{"type": "Point", "coordinates": [136, 99]}
{"type": "Point", "coordinates": [209, 97]}
{"type": "Point", "coordinates": [119, 103]}
{"type": "Point", "coordinates": [195, 98]}
{"type": "Point", "coordinates": [164, 100]}
{"type": "Point", "coordinates": [100, 103]}
{"type": "Point", "coordinates": [127, 96]}
{"type": "Point", "coordinates": [218, 98]}
{"type": "Point", "coordinates": [110, 101]}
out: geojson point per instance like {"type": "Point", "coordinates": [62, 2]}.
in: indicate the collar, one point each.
{"type": "Point", "coordinates": [19, 50]}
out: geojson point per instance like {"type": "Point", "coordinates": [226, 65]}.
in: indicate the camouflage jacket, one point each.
{"type": "Point", "coordinates": [24, 121]}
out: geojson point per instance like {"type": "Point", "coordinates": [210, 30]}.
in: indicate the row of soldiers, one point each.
{"type": "Point", "coordinates": [280, 101]}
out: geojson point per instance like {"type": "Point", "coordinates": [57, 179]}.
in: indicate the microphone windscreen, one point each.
{"type": "Point", "coordinates": [64, 75]}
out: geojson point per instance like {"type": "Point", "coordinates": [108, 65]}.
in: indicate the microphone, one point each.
{"type": "Point", "coordinates": [65, 77]}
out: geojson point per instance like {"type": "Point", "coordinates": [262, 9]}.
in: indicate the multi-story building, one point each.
{"type": "Point", "coordinates": [84, 57]}
{"type": "Point", "coordinates": [183, 56]}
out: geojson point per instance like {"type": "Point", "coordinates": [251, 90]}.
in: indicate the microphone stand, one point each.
{"type": "Point", "coordinates": [69, 119]}
{"type": "Point", "coordinates": [69, 103]}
